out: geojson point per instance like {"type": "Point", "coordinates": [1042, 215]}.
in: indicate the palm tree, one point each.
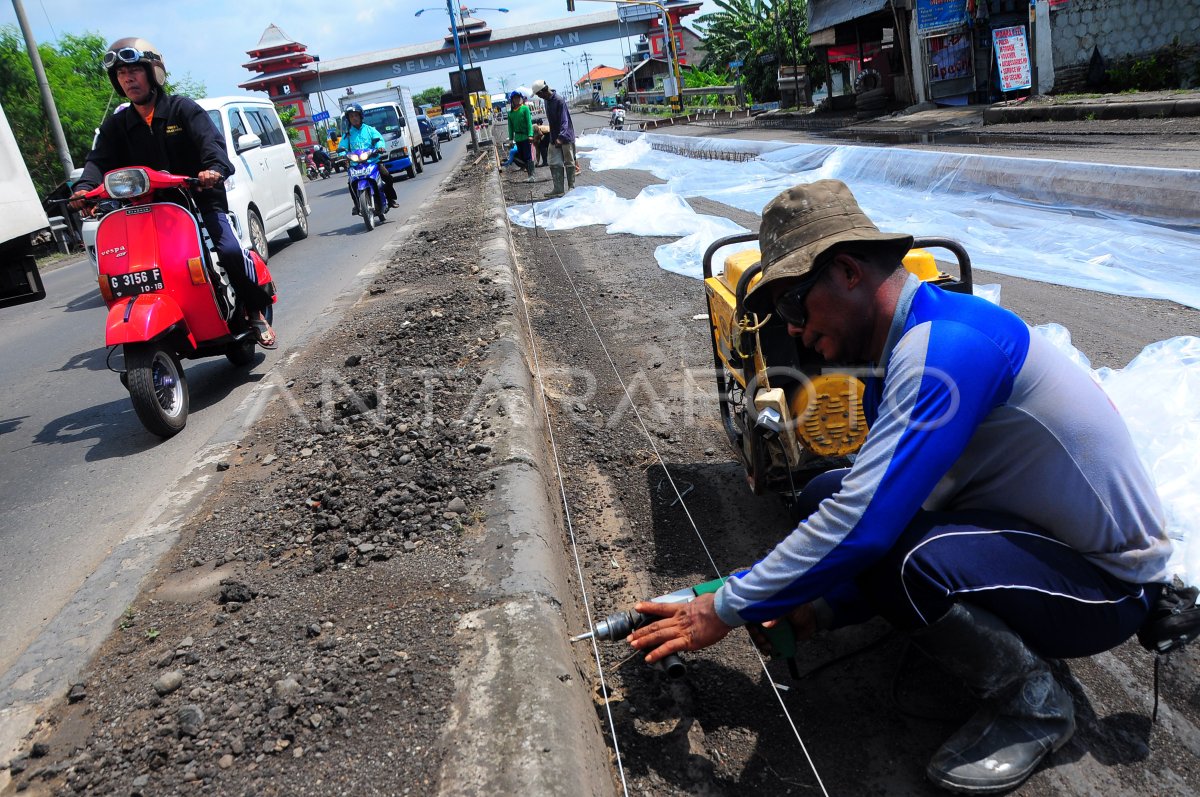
{"type": "Point", "coordinates": [761, 34]}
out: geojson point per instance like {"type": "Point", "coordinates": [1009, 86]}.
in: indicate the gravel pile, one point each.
{"type": "Point", "coordinates": [302, 639]}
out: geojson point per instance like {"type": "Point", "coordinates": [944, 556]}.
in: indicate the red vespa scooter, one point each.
{"type": "Point", "coordinates": [168, 297]}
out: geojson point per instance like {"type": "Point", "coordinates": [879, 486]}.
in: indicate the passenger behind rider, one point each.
{"type": "Point", "coordinates": [360, 136]}
{"type": "Point", "coordinates": [997, 511]}
{"type": "Point", "coordinates": [321, 158]}
{"type": "Point", "coordinates": [173, 134]}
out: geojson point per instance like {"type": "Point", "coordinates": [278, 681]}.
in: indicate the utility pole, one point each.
{"type": "Point", "coordinates": [60, 138]}
{"type": "Point", "coordinates": [588, 74]}
{"type": "Point", "coordinates": [570, 77]}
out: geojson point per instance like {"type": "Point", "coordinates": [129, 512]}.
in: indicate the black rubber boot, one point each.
{"type": "Point", "coordinates": [1026, 713]}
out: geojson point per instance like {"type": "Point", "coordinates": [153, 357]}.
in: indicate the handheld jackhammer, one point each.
{"type": "Point", "coordinates": [619, 625]}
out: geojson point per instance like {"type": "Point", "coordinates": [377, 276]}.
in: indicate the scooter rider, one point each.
{"type": "Point", "coordinates": [361, 136]}
{"type": "Point", "coordinates": [174, 134]}
{"type": "Point", "coordinates": [321, 158]}
{"type": "Point", "coordinates": [617, 118]}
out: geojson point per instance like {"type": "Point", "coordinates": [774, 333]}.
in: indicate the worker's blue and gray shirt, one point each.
{"type": "Point", "coordinates": [973, 411]}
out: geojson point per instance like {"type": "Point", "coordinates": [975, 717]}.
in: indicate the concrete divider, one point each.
{"type": "Point", "coordinates": [522, 721]}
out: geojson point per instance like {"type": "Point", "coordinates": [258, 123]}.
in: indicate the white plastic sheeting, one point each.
{"type": "Point", "coordinates": [1053, 221]}
{"type": "Point", "coordinates": [651, 213]}
{"type": "Point", "coordinates": [1158, 395]}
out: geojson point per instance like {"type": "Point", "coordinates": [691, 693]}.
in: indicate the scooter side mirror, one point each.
{"type": "Point", "coordinates": [248, 141]}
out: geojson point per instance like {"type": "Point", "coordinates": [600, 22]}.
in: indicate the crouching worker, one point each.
{"type": "Point", "coordinates": [997, 510]}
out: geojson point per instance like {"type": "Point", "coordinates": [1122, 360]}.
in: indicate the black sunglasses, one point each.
{"type": "Point", "coordinates": [790, 304]}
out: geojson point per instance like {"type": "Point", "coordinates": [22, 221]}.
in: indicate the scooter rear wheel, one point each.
{"type": "Point", "coordinates": [366, 208]}
{"type": "Point", "coordinates": [157, 387]}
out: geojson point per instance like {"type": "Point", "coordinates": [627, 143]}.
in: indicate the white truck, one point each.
{"type": "Point", "coordinates": [20, 215]}
{"type": "Point", "coordinates": [391, 111]}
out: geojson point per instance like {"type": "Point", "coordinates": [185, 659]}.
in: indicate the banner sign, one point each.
{"type": "Point", "coordinates": [935, 15]}
{"type": "Point", "coordinates": [950, 56]}
{"type": "Point", "coordinates": [1012, 58]}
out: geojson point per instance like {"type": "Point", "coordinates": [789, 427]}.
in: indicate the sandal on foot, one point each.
{"type": "Point", "coordinates": [263, 334]}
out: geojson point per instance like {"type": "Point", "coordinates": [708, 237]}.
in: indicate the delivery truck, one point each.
{"type": "Point", "coordinates": [21, 215]}
{"type": "Point", "coordinates": [391, 111]}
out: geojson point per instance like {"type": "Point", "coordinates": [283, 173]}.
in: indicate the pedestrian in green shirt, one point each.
{"type": "Point", "coordinates": [520, 131]}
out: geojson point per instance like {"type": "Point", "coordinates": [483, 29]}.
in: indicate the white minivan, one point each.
{"type": "Point", "coordinates": [266, 191]}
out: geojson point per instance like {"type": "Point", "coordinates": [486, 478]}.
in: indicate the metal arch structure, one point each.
{"type": "Point", "coordinates": [403, 62]}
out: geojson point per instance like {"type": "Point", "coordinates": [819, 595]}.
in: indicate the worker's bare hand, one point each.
{"type": "Point", "coordinates": [77, 201]}
{"type": "Point", "coordinates": [685, 626]}
{"type": "Point", "coordinates": [804, 625]}
{"type": "Point", "coordinates": [208, 178]}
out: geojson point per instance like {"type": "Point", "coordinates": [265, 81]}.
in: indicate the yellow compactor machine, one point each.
{"type": "Point", "coordinates": [788, 414]}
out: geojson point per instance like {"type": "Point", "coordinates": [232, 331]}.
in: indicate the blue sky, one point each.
{"type": "Point", "coordinates": [208, 40]}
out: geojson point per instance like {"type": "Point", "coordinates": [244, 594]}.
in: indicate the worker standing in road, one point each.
{"type": "Point", "coordinates": [562, 139]}
{"type": "Point", "coordinates": [520, 132]}
{"type": "Point", "coordinates": [997, 510]}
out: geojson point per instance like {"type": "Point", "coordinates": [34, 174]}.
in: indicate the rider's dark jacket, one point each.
{"type": "Point", "coordinates": [181, 139]}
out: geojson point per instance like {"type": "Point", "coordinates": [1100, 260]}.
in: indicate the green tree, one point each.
{"type": "Point", "coordinates": [762, 34]}
{"type": "Point", "coordinates": [187, 86]}
{"type": "Point", "coordinates": [82, 93]}
{"type": "Point", "coordinates": [286, 114]}
{"type": "Point", "coordinates": [83, 96]}
{"type": "Point", "coordinates": [431, 96]}
{"type": "Point", "coordinates": [699, 78]}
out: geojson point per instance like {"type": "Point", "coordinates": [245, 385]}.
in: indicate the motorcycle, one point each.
{"type": "Point", "coordinates": [168, 298]}
{"type": "Point", "coordinates": [315, 169]}
{"type": "Point", "coordinates": [366, 186]}
{"type": "Point", "coordinates": [616, 120]}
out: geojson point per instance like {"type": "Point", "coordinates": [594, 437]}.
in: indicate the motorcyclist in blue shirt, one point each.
{"type": "Point", "coordinates": [361, 136]}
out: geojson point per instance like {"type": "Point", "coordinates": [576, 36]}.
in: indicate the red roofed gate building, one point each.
{"type": "Point", "coordinates": [284, 64]}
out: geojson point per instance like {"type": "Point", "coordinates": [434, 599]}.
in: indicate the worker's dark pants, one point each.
{"type": "Point", "coordinates": [524, 157]}
{"type": "Point", "coordinates": [1061, 604]}
{"type": "Point", "coordinates": [236, 262]}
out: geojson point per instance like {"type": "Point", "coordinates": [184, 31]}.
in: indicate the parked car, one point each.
{"type": "Point", "coordinates": [431, 144]}
{"type": "Point", "coordinates": [442, 127]}
{"type": "Point", "coordinates": [452, 123]}
{"type": "Point", "coordinates": [266, 192]}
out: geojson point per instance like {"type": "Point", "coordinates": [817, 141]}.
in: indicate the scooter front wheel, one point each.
{"type": "Point", "coordinates": [157, 387]}
{"type": "Point", "coordinates": [366, 208]}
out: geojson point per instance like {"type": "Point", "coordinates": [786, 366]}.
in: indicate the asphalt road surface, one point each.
{"type": "Point", "coordinates": [79, 472]}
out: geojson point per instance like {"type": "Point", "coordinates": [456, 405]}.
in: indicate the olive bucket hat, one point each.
{"type": "Point", "coordinates": [806, 225]}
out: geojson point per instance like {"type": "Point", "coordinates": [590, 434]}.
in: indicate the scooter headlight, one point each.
{"type": "Point", "coordinates": [126, 183]}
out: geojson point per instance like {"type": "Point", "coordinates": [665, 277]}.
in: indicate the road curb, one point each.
{"type": "Point", "coordinates": [522, 721]}
{"type": "Point", "coordinates": [1077, 112]}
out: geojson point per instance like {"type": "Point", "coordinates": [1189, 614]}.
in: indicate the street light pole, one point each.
{"type": "Point", "coordinates": [462, 76]}
{"type": "Point", "coordinates": [39, 72]}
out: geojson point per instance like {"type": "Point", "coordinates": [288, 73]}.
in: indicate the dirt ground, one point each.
{"type": "Point", "coordinates": [872, 709]}
{"type": "Point", "coordinates": [301, 636]}
{"type": "Point", "coordinates": [298, 640]}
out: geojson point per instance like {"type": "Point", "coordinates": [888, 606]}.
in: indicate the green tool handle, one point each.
{"type": "Point", "coordinates": [781, 637]}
